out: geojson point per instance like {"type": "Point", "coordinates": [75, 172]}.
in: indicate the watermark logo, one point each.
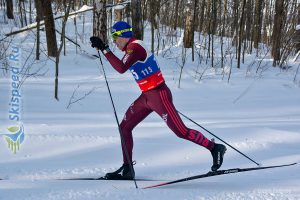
{"type": "Point", "coordinates": [15, 138]}
{"type": "Point", "coordinates": [15, 134]}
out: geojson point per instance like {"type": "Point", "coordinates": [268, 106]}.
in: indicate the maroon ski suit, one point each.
{"type": "Point", "coordinates": [155, 96]}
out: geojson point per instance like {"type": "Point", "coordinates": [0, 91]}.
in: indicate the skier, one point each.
{"type": "Point", "coordinates": [155, 96]}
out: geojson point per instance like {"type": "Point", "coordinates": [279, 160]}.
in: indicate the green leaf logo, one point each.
{"type": "Point", "coordinates": [13, 129]}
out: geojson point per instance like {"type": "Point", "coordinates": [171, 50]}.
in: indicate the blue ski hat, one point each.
{"type": "Point", "coordinates": [122, 29]}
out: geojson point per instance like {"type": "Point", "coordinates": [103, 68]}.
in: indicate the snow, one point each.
{"type": "Point", "coordinates": [298, 27]}
{"type": "Point", "coordinates": [257, 113]}
{"type": "Point", "coordinates": [119, 7]}
{"type": "Point", "coordinates": [85, 8]}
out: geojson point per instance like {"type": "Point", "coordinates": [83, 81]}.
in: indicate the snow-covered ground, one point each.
{"type": "Point", "coordinates": [259, 115]}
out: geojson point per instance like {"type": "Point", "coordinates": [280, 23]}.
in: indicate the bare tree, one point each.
{"type": "Point", "coordinates": [67, 7]}
{"type": "Point", "coordinates": [277, 30]}
{"type": "Point", "coordinates": [298, 31]}
{"type": "Point", "coordinates": [188, 29]}
{"type": "Point", "coordinates": [50, 28]}
{"type": "Point", "coordinates": [10, 9]}
{"type": "Point", "coordinates": [241, 33]}
{"type": "Point", "coordinates": [22, 13]}
{"type": "Point", "coordinates": [137, 23]}
{"type": "Point", "coordinates": [100, 20]}
{"type": "Point", "coordinates": [39, 15]}
{"type": "Point", "coordinates": [176, 15]}
{"type": "Point", "coordinates": [257, 22]}
{"type": "Point", "coordinates": [118, 12]}
{"type": "Point", "coordinates": [153, 12]}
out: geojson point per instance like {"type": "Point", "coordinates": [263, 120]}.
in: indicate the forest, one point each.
{"type": "Point", "coordinates": [219, 33]}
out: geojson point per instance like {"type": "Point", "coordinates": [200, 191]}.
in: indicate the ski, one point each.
{"type": "Point", "coordinates": [217, 173]}
{"type": "Point", "coordinates": [92, 179]}
{"type": "Point", "coordinates": [99, 179]}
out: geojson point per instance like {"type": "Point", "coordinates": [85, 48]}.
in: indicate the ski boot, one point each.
{"type": "Point", "coordinates": [123, 173]}
{"type": "Point", "coordinates": [217, 153]}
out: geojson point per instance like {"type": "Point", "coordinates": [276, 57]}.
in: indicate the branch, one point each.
{"type": "Point", "coordinates": [73, 100]}
{"type": "Point", "coordinates": [83, 9]}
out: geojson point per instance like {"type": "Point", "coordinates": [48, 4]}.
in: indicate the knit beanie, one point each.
{"type": "Point", "coordinates": [122, 29]}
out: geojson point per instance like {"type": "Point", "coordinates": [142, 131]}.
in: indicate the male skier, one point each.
{"type": "Point", "coordinates": [155, 96]}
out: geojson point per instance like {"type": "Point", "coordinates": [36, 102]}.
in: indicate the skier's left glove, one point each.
{"type": "Point", "coordinates": [99, 44]}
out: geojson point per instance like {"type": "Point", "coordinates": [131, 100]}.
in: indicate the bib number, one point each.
{"type": "Point", "coordinates": [135, 75]}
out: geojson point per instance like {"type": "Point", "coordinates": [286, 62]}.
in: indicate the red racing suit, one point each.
{"type": "Point", "coordinates": [155, 96]}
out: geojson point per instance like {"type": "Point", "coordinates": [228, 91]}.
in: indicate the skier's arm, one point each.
{"type": "Point", "coordinates": [133, 54]}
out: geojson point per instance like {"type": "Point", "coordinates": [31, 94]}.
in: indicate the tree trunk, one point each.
{"type": "Point", "coordinates": [39, 15]}
{"type": "Point", "coordinates": [118, 12]}
{"type": "Point", "coordinates": [67, 7]}
{"type": "Point", "coordinates": [213, 29]}
{"type": "Point", "coordinates": [193, 28]}
{"type": "Point", "coordinates": [241, 33]}
{"type": "Point", "coordinates": [257, 22]}
{"type": "Point", "coordinates": [153, 23]}
{"type": "Point", "coordinates": [202, 15]}
{"type": "Point", "coordinates": [24, 11]}
{"type": "Point", "coordinates": [235, 25]}
{"type": "Point", "coordinates": [30, 10]}
{"type": "Point", "coordinates": [298, 31]}
{"type": "Point", "coordinates": [10, 9]}
{"type": "Point", "coordinates": [50, 28]}
{"type": "Point", "coordinates": [277, 29]}
{"type": "Point", "coordinates": [187, 37]}
{"type": "Point", "coordinates": [100, 20]}
{"type": "Point", "coordinates": [223, 33]}
{"type": "Point", "coordinates": [137, 24]}
{"type": "Point", "coordinates": [176, 15]}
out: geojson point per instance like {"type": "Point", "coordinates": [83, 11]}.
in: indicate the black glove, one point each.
{"type": "Point", "coordinates": [98, 43]}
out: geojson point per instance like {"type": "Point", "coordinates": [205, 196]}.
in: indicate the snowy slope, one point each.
{"type": "Point", "coordinates": [259, 116]}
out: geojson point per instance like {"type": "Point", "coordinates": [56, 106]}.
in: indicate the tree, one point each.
{"type": "Point", "coordinates": [50, 28]}
{"type": "Point", "coordinates": [153, 13]}
{"type": "Point", "coordinates": [298, 31]}
{"type": "Point", "coordinates": [119, 12]}
{"type": "Point", "coordinates": [10, 9]}
{"type": "Point", "coordinates": [188, 29]}
{"type": "Point", "coordinates": [67, 7]}
{"type": "Point", "coordinates": [176, 15]}
{"type": "Point", "coordinates": [241, 33]}
{"type": "Point", "coordinates": [39, 16]}
{"type": "Point", "coordinates": [137, 23]}
{"type": "Point", "coordinates": [257, 22]}
{"type": "Point", "coordinates": [277, 30]}
{"type": "Point", "coordinates": [100, 20]}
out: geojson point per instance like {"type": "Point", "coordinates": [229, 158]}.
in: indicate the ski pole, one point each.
{"type": "Point", "coordinates": [115, 113]}
{"type": "Point", "coordinates": [218, 138]}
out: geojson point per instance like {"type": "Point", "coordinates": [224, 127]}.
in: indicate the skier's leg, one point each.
{"type": "Point", "coordinates": [136, 113]}
{"type": "Point", "coordinates": [133, 116]}
{"type": "Point", "coordinates": [161, 103]}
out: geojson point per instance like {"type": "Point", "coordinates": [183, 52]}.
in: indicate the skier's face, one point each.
{"type": "Point", "coordinates": [121, 42]}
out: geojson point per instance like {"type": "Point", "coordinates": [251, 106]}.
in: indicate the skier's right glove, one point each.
{"type": "Point", "coordinates": [96, 42]}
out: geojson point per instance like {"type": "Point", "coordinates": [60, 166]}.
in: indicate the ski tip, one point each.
{"type": "Point", "coordinates": [294, 163]}
{"type": "Point", "coordinates": [289, 164]}
{"type": "Point", "coordinates": [153, 186]}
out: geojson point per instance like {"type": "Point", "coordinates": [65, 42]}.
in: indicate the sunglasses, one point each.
{"type": "Point", "coordinates": [117, 34]}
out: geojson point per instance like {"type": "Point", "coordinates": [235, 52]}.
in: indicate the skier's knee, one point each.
{"type": "Point", "coordinates": [125, 128]}
{"type": "Point", "coordinates": [180, 134]}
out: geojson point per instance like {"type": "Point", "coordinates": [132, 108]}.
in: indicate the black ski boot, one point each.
{"type": "Point", "coordinates": [217, 153]}
{"type": "Point", "coordinates": [124, 173]}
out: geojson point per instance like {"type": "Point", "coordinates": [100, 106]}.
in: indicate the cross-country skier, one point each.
{"type": "Point", "coordinates": [155, 96]}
